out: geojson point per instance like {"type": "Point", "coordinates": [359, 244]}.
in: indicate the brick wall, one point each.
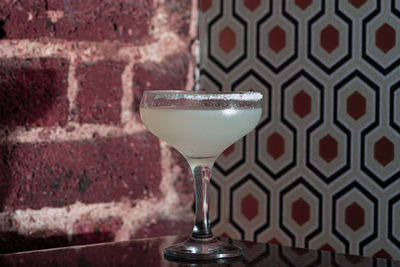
{"type": "Point", "coordinates": [76, 164]}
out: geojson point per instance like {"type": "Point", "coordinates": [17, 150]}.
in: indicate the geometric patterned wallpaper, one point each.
{"type": "Point", "coordinates": [322, 169]}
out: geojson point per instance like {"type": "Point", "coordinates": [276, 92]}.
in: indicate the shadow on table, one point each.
{"type": "Point", "coordinates": [148, 252]}
{"type": "Point", "coordinates": [12, 242]}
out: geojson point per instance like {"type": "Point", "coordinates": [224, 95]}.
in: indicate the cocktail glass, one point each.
{"type": "Point", "coordinates": [201, 125]}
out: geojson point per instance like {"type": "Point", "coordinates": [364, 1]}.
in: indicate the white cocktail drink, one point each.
{"type": "Point", "coordinates": [200, 133]}
{"type": "Point", "coordinates": [200, 125]}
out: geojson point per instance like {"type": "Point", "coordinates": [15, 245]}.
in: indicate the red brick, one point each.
{"type": "Point", "coordinates": [33, 92]}
{"type": "Point", "coordinates": [169, 74]}
{"type": "Point", "coordinates": [179, 15]}
{"type": "Point", "coordinates": [183, 183]}
{"type": "Point", "coordinates": [58, 174]}
{"type": "Point", "coordinates": [100, 92]}
{"type": "Point", "coordinates": [93, 20]}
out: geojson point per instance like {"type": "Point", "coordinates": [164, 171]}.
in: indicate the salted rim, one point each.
{"type": "Point", "coordinates": [205, 95]}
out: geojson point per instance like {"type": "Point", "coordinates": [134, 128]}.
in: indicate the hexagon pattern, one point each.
{"type": "Point", "coordinates": [356, 105]}
{"type": "Point", "coordinates": [277, 39]}
{"type": "Point", "coordinates": [249, 206]}
{"type": "Point", "coordinates": [357, 3]}
{"type": "Point", "coordinates": [300, 211]}
{"type": "Point", "coordinates": [227, 39]}
{"type": "Point", "coordinates": [302, 104]}
{"type": "Point", "coordinates": [384, 151]}
{"type": "Point", "coordinates": [355, 216]}
{"type": "Point", "coordinates": [328, 148]}
{"type": "Point", "coordinates": [329, 38]}
{"type": "Point", "coordinates": [321, 170]}
{"type": "Point", "coordinates": [385, 38]}
{"type": "Point", "coordinates": [303, 4]}
{"type": "Point", "coordinates": [275, 145]}
{"type": "Point", "coordinates": [252, 4]}
{"type": "Point", "coordinates": [205, 5]}
{"type": "Point", "coordinates": [229, 150]}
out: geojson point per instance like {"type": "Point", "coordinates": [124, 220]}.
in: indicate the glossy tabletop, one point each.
{"type": "Point", "coordinates": [149, 252]}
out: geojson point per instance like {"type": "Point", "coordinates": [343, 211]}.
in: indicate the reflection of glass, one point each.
{"type": "Point", "coordinates": [200, 125]}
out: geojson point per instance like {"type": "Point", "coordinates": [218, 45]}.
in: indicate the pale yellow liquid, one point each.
{"type": "Point", "coordinates": [200, 133]}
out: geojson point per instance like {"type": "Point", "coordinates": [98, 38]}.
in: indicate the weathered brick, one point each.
{"type": "Point", "coordinates": [33, 92]}
{"type": "Point", "coordinates": [169, 74]}
{"type": "Point", "coordinates": [93, 20]}
{"type": "Point", "coordinates": [179, 15]}
{"type": "Point", "coordinates": [100, 92]}
{"type": "Point", "coordinates": [58, 174]}
{"type": "Point", "coordinates": [183, 182]}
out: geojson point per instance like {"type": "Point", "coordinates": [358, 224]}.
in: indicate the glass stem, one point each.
{"type": "Point", "coordinates": [201, 175]}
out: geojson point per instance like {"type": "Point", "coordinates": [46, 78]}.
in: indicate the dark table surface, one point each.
{"type": "Point", "coordinates": [149, 252]}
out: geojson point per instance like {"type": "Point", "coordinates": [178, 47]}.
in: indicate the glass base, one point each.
{"type": "Point", "coordinates": [203, 250]}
